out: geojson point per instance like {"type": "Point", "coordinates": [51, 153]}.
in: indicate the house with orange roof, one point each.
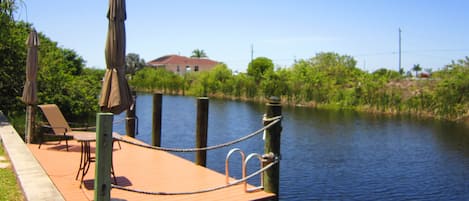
{"type": "Point", "coordinates": [181, 64]}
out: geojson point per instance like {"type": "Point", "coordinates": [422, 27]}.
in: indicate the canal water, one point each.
{"type": "Point", "coordinates": [327, 155]}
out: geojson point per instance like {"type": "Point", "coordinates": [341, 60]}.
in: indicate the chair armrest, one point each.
{"type": "Point", "coordinates": [90, 128]}
{"type": "Point", "coordinates": [81, 126]}
{"type": "Point", "coordinates": [50, 127]}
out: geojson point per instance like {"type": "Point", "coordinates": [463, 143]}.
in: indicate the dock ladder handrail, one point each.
{"type": "Point", "coordinates": [260, 158]}
{"type": "Point", "coordinates": [244, 162]}
{"type": "Point", "coordinates": [227, 169]}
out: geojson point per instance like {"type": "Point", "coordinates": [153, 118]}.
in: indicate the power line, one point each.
{"type": "Point", "coordinates": [409, 52]}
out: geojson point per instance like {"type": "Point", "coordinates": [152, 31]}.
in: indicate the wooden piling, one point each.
{"type": "Point", "coordinates": [102, 181]}
{"type": "Point", "coordinates": [130, 117]}
{"type": "Point", "coordinates": [201, 130]}
{"type": "Point", "coordinates": [271, 176]}
{"type": "Point", "coordinates": [156, 125]}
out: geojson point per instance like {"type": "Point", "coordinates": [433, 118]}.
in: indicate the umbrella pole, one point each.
{"type": "Point", "coordinates": [27, 125]}
{"type": "Point", "coordinates": [29, 128]}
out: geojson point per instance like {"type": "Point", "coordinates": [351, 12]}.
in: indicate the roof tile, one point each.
{"type": "Point", "coordinates": [176, 59]}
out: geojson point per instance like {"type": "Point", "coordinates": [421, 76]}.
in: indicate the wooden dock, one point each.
{"type": "Point", "coordinates": [139, 168]}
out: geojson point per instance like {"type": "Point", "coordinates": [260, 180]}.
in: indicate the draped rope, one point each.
{"type": "Point", "coordinates": [273, 120]}
{"type": "Point", "coordinates": [118, 121]}
{"type": "Point", "coordinates": [198, 191]}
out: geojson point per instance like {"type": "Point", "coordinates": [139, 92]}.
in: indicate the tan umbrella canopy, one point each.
{"type": "Point", "coordinates": [30, 89]}
{"type": "Point", "coordinates": [115, 94]}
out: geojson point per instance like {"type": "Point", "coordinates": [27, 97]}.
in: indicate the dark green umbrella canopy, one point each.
{"type": "Point", "coordinates": [115, 94]}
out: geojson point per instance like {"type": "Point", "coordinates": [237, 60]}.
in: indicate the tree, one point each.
{"type": "Point", "coordinates": [387, 74]}
{"type": "Point", "coordinates": [64, 80]}
{"type": "Point", "coordinates": [275, 83]}
{"type": "Point", "coordinates": [218, 77]}
{"type": "Point", "coordinates": [151, 79]}
{"type": "Point", "coordinates": [259, 67]}
{"type": "Point", "coordinates": [328, 80]}
{"type": "Point", "coordinates": [133, 63]}
{"type": "Point", "coordinates": [417, 69]}
{"type": "Point", "coordinates": [13, 52]}
{"type": "Point", "coordinates": [198, 53]}
{"type": "Point", "coordinates": [331, 59]}
{"type": "Point", "coordinates": [7, 7]}
{"type": "Point", "coordinates": [61, 76]}
{"type": "Point", "coordinates": [452, 92]}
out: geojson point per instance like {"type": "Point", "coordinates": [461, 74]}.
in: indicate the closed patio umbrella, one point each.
{"type": "Point", "coordinates": [115, 94]}
{"type": "Point", "coordinates": [30, 90]}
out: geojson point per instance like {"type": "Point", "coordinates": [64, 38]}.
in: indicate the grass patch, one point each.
{"type": "Point", "coordinates": [18, 121]}
{"type": "Point", "coordinates": [9, 189]}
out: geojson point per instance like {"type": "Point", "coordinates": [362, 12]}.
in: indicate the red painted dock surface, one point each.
{"type": "Point", "coordinates": [139, 168]}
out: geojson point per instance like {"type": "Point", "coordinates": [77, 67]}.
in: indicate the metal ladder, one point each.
{"type": "Point", "coordinates": [244, 161]}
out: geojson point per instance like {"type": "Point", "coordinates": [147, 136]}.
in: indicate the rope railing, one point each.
{"type": "Point", "coordinates": [123, 120]}
{"type": "Point", "coordinates": [198, 191]}
{"type": "Point", "coordinates": [274, 121]}
{"type": "Point", "coordinates": [119, 121]}
{"type": "Point", "coordinates": [136, 121]}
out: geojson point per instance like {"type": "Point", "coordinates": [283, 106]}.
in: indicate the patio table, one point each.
{"type": "Point", "coordinates": [85, 139]}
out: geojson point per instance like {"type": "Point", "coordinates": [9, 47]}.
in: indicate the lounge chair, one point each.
{"type": "Point", "coordinates": [58, 125]}
{"type": "Point", "coordinates": [62, 129]}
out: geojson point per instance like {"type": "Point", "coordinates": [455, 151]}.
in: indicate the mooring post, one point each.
{"type": "Point", "coordinates": [130, 117]}
{"type": "Point", "coordinates": [102, 180]}
{"type": "Point", "coordinates": [201, 130]}
{"type": "Point", "coordinates": [271, 176]}
{"type": "Point", "coordinates": [156, 126]}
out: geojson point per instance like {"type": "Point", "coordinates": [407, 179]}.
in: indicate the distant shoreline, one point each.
{"type": "Point", "coordinates": [312, 104]}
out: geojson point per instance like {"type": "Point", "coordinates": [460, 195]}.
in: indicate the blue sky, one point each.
{"type": "Point", "coordinates": [433, 32]}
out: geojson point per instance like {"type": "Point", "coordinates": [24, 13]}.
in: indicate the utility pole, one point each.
{"type": "Point", "coordinates": [400, 67]}
{"type": "Point", "coordinates": [252, 53]}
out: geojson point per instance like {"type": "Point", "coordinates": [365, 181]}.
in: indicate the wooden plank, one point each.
{"type": "Point", "coordinates": [138, 168]}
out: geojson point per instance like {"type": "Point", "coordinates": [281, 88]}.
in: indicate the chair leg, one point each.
{"type": "Point", "coordinates": [66, 143]}
{"type": "Point", "coordinates": [113, 174]}
{"type": "Point", "coordinates": [41, 139]}
{"type": "Point", "coordinates": [118, 142]}
{"type": "Point", "coordinates": [112, 161]}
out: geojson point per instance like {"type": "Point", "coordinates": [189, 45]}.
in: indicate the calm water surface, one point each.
{"type": "Point", "coordinates": [328, 155]}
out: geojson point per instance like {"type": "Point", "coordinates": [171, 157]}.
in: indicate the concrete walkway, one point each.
{"type": "Point", "coordinates": [34, 182]}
